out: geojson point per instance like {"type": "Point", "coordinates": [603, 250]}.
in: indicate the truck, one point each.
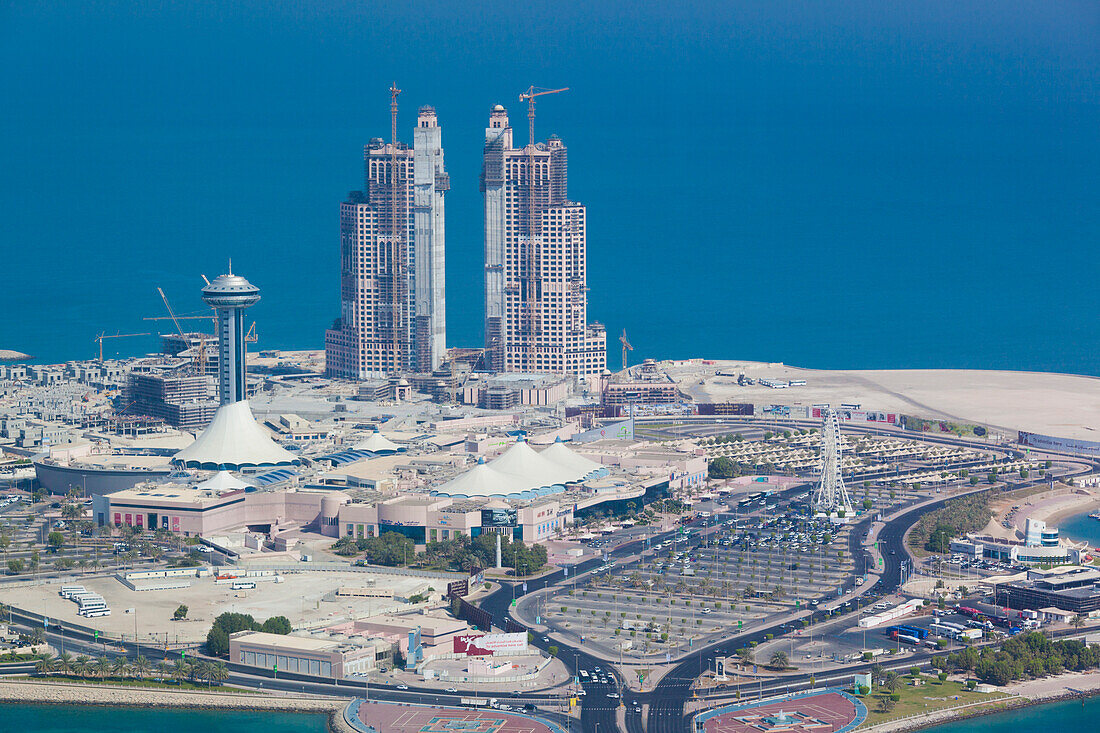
{"type": "Point", "coordinates": [906, 639]}
{"type": "Point", "coordinates": [971, 634]}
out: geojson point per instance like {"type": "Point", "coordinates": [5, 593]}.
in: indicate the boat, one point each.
{"type": "Point", "coordinates": [1094, 515]}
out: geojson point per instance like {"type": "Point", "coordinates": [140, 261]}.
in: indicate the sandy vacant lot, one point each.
{"type": "Point", "coordinates": [1064, 405]}
{"type": "Point", "coordinates": [302, 597]}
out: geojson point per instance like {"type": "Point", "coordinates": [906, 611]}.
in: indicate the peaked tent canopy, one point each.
{"type": "Point", "coordinates": [560, 454]}
{"type": "Point", "coordinates": [223, 481]}
{"type": "Point", "coordinates": [378, 443]}
{"type": "Point", "coordinates": [521, 472]}
{"type": "Point", "coordinates": [234, 440]}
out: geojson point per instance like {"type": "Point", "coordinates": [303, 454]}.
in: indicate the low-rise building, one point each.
{"type": "Point", "coordinates": [324, 657]}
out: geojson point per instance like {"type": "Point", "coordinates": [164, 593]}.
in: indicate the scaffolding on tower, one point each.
{"type": "Point", "coordinates": [398, 295]}
{"type": "Point", "coordinates": [532, 278]}
{"type": "Point", "coordinates": [830, 497]}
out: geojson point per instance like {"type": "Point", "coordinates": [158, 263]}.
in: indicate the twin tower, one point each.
{"type": "Point", "coordinates": [392, 260]}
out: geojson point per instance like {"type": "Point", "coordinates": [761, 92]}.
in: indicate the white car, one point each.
{"type": "Point", "coordinates": [402, 687]}
{"type": "Point", "coordinates": [614, 695]}
{"type": "Point", "coordinates": [451, 689]}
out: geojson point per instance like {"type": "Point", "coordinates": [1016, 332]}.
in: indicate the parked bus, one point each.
{"type": "Point", "coordinates": [243, 585]}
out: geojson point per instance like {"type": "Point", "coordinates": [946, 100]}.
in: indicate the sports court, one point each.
{"type": "Point", "coordinates": [830, 711]}
{"type": "Point", "coordinates": [398, 718]}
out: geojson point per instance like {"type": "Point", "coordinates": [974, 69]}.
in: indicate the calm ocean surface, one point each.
{"type": "Point", "coordinates": [1059, 717]}
{"type": "Point", "coordinates": [831, 184]}
{"type": "Point", "coordinates": [1082, 528]}
{"type": "Point", "coordinates": [1055, 717]}
{"type": "Point", "coordinates": [73, 719]}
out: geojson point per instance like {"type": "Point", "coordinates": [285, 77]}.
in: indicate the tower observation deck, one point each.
{"type": "Point", "coordinates": [229, 295]}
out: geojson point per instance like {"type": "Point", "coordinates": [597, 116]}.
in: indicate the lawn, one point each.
{"type": "Point", "coordinates": [932, 695]}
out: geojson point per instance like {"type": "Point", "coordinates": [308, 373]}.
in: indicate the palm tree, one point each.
{"type": "Point", "coordinates": [64, 663]}
{"type": "Point", "coordinates": [200, 670]}
{"type": "Point", "coordinates": [164, 669]}
{"type": "Point", "coordinates": [44, 665]}
{"type": "Point", "coordinates": [103, 667]}
{"type": "Point", "coordinates": [82, 665]}
{"type": "Point", "coordinates": [179, 669]}
{"type": "Point", "coordinates": [1078, 621]}
{"type": "Point", "coordinates": [120, 667]}
{"type": "Point", "coordinates": [141, 667]}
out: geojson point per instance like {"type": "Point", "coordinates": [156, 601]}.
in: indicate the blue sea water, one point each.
{"type": "Point", "coordinates": [832, 184]}
{"type": "Point", "coordinates": [73, 718]}
{"type": "Point", "coordinates": [1081, 527]}
{"type": "Point", "coordinates": [1074, 715]}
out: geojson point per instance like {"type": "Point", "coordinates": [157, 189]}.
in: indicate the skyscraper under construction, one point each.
{"type": "Point", "coordinates": [392, 267]}
{"type": "Point", "coordinates": [536, 293]}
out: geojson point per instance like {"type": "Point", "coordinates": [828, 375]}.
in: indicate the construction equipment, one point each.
{"type": "Point", "coordinates": [102, 336]}
{"type": "Point", "coordinates": [398, 224]}
{"type": "Point", "coordinates": [199, 360]}
{"type": "Point", "coordinates": [251, 336]}
{"type": "Point", "coordinates": [532, 271]}
{"type": "Point", "coordinates": [626, 346]}
{"type": "Point", "coordinates": [529, 97]}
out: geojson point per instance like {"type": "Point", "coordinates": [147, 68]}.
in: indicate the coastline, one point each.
{"type": "Point", "coordinates": [50, 693]}
{"type": "Point", "coordinates": [1087, 505]}
{"type": "Point", "coordinates": [1026, 694]}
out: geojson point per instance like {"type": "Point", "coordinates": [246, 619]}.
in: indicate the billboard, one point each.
{"type": "Point", "coordinates": [498, 517]}
{"type": "Point", "coordinates": [1049, 442]}
{"type": "Point", "coordinates": [855, 415]}
{"type": "Point", "coordinates": [478, 645]}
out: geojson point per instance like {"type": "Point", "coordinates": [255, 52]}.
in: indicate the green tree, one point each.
{"type": "Point", "coordinates": [15, 566]}
{"type": "Point", "coordinates": [277, 625]}
{"type": "Point", "coordinates": [55, 540]}
{"type": "Point", "coordinates": [181, 613]}
{"type": "Point", "coordinates": [721, 468]}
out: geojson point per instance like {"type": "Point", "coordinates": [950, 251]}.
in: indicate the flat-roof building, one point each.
{"type": "Point", "coordinates": [324, 657]}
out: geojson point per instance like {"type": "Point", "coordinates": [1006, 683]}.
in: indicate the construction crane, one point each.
{"type": "Point", "coordinates": [398, 225]}
{"type": "Point", "coordinates": [626, 346]}
{"type": "Point", "coordinates": [531, 289]}
{"type": "Point", "coordinates": [198, 363]}
{"type": "Point", "coordinates": [102, 336]}
{"type": "Point", "coordinates": [529, 97]}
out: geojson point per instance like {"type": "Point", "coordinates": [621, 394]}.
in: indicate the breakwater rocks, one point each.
{"type": "Point", "coordinates": [91, 694]}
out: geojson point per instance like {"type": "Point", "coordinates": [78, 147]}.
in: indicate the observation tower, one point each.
{"type": "Point", "coordinates": [229, 295]}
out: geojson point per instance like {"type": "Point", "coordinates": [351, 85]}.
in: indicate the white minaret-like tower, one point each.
{"type": "Point", "coordinates": [229, 295]}
{"type": "Point", "coordinates": [830, 496]}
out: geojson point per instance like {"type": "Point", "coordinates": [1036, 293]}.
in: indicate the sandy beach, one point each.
{"type": "Point", "coordinates": [59, 693]}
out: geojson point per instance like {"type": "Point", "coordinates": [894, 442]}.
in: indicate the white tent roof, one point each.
{"type": "Point", "coordinates": [377, 443]}
{"type": "Point", "coordinates": [518, 469]}
{"type": "Point", "coordinates": [529, 469]}
{"type": "Point", "coordinates": [478, 481]}
{"type": "Point", "coordinates": [223, 481]}
{"type": "Point", "coordinates": [233, 440]}
{"type": "Point", "coordinates": [562, 455]}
